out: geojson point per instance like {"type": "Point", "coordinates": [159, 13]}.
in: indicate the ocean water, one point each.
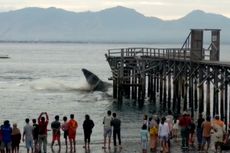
{"type": "Point", "coordinates": [47, 77]}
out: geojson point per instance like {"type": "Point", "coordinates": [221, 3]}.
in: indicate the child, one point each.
{"type": "Point", "coordinates": [144, 138]}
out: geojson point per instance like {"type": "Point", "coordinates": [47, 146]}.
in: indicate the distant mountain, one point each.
{"type": "Point", "coordinates": [118, 24]}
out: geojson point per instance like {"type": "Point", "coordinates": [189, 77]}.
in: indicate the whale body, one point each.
{"type": "Point", "coordinates": [95, 83]}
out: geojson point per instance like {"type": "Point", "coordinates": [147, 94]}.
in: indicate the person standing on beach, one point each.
{"type": "Point", "coordinates": [72, 130]}
{"type": "Point", "coordinates": [56, 126]}
{"type": "Point", "coordinates": [163, 134]}
{"type": "Point", "coordinates": [88, 125]}
{"type": "Point", "coordinates": [6, 137]}
{"type": "Point", "coordinates": [107, 128]}
{"type": "Point", "coordinates": [153, 126]}
{"type": "Point", "coordinates": [64, 128]}
{"type": "Point", "coordinates": [199, 131]}
{"type": "Point", "coordinates": [28, 136]}
{"type": "Point", "coordinates": [206, 133]}
{"type": "Point", "coordinates": [35, 134]}
{"type": "Point", "coordinates": [184, 123]}
{"type": "Point", "coordinates": [144, 138]}
{"type": "Point", "coordinates": [42, 134]}
{"type": "Point", "coordinates": [16, 138]}
{"type": "Point", "coordinates": [116, 124]}
{"type": "Point", "coordinates": [219, 130]}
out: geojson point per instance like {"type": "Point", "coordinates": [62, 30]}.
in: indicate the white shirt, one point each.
{"type": "Point", "coordinates": [163, 129]}
{"type": "Point", "coordinates": [107, 121]}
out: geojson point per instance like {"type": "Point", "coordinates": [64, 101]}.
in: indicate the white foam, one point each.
{"type": "Point", "coordinates": [59, 85]}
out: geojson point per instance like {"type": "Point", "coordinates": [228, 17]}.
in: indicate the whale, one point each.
{"type": "Point", "coordinates": [95, 83]}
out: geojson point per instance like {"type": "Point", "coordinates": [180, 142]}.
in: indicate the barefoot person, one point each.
{"type": "Point", "coordinates": [56, 126]}
{"type": "Point", "coordinates": [107, 129]}
{"type": "Point", "coordinates": [88, 125]}
{"type": "Point", "coordinates": [72, 130]}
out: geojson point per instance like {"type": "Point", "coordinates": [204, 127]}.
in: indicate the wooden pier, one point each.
{"type": "Point", "coordinates": [190, 78]}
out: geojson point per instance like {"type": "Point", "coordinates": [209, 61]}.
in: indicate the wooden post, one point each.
{"type": "Point", "coordinates": [115, 88]}
{"type": "Point", "coordinates": [169, 90]}
{"type": "Point", "coordinates": [226, 97]}
{"type": "Point", "coordinates": [201, 91]}
{"type": "Point", "coordinates": [215, 92]}
{"type": "Point", "coordinates": [191, 95]}
{"type": "Point", "coordinates": [222, 97]}
{"type": "Point", "coordinates": [208, 111]}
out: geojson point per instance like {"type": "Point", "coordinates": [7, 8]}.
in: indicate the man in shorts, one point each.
{"type": "Point", "coordinates": [28, 136]}
{"type": "Point", "coordinates": [72, 130]}
{"type": "Point", "coordinates": [107, 128]}
{"type": "Point", "coordinates": [55, 126]}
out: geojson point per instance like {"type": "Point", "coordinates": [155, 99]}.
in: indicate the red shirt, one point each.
{"type": "Point", "coordinates": [42, 127]}
{"type": "Point", "coordinates": [185, 121]}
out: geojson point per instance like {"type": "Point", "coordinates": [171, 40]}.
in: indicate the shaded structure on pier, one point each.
{"type": "Point", "coordinates": [190, 78]}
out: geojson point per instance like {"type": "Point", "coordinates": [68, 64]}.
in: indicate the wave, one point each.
{"type": "Point", "coordinates": [49, 84]}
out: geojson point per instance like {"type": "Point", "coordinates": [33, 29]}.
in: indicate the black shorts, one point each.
{"type": "Point", "coordinates": [65, 134]}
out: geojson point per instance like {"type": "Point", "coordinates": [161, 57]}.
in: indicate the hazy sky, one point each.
{"type": "Point", "coordinates": [164, 9]}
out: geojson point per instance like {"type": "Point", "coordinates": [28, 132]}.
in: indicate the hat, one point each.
{"type": "Point", "coordinates": [185, 113]}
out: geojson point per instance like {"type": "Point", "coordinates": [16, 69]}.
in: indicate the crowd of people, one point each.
{"type": "Point", "coordinates": [35, 135]}
{"type": "Point", "coordinates": [202, 131]}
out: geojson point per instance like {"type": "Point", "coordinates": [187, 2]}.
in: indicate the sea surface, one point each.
{"type": "Point", "coordinates": [47, 77]}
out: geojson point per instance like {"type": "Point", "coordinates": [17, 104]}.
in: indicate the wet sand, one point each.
{"type": "Point", "coordinates": [127, 147]}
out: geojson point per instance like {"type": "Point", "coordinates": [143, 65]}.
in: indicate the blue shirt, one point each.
{"type": "Point", "coordinates": [6, 133]}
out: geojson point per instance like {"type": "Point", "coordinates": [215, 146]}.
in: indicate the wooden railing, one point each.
{"type": "Point", "coordinates": [166, 53]}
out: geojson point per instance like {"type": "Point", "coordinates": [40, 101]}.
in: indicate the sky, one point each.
{"type": "Point", "coordinates": [164, 9]}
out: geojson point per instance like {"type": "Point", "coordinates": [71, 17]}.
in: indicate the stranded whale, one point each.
{"type": "Point", "coordinates": [95, 83]}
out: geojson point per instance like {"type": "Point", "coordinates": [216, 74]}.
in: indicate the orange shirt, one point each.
{"type": "Point", "coordinates": [218, 122]}
{"type": "Point", "coordinates": [72, 127]}
{"type": "Point", "coordinates": [207, 126]}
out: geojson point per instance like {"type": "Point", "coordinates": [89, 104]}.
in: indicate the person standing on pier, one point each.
{"type": "Point", "coordinates": [42, 134]}
{"type": "Point", "coordinates": [107, 128]}
{"type": "Point", "coordinates": [28, 136]}
{"type": "Point", "coordinates": [88, 125]}
{"type": "Point", "coordinates": [72, 131]}
{"type": "Point", "coordinates": [116, 124]}
{"type": "Point", "coordinates": [56, 126]}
